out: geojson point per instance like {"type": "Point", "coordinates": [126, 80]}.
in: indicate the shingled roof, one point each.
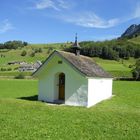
{"type": "Point", "coordinates": [83, 64]}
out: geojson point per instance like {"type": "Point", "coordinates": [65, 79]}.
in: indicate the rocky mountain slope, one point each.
{"type": "Point", "coordinates": [132, 31]}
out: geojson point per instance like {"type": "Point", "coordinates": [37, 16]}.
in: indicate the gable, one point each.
{"type": "Point", "coordinates": [55, 61]}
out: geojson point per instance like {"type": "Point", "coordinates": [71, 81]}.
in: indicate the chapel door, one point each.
{"type": "Point", "coordinates": [61, 86]}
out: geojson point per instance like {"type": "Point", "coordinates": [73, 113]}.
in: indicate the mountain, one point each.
{"type": "Point", "coordinates": [132, 31]}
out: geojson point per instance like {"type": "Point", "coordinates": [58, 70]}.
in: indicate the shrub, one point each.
{"type": "Point", "coordinates": [3, 69]}
{"type": "Point", "coordinates": [42, 61]}
{"type": "Point", "coordinates": [32, 54]}
{"type": "Point", "coordinates": [38, 50]}
{"type": "Point", "coordinates": [16, 68]}
{"type": "Point", "coordinates": [130, 66]}
{"type": "Point", "coordinates": [9, 69]}
{"type": "Point", "coordinates": [20, 76]}
{"type": "Point", "coordinates": [23, 53]}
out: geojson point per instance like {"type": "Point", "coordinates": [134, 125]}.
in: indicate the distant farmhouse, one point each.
{"type": "Point", "coordinates": [29, 67]}
{"type": "Point", "coordinates": [73, 79]}
{"type": "Point", "coordinates": [24, 66]}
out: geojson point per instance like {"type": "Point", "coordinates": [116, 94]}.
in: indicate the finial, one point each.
{"type": "Point", "coordinates": [76, 38]}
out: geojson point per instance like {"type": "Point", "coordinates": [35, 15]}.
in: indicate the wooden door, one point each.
{"type": "Point", "coordinates": [62, 86]}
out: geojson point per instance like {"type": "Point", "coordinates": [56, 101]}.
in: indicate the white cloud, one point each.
{"type": "Point", "coordinates": [137, 11]}
{"type": "Point", "coordinates": [107, 37]}
{"type": "Point", "coordinates": [43, 4]}
{"type": "Point", "coordinates": [5, 26]}
{"type": "Point", "coordinates": [54, 4]}
{"type": "Point", "coordinates": [84, 18]}
{"type": "Point", "coordinates": [63, 4]}
{"type": "Point", "coordinates": [90, 19]}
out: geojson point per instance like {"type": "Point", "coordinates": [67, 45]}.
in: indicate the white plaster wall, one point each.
{"type": "Point", "coordinates": [98, 90]}
{"type": "Point", "coordinates": [76, 86]}
{"type": "Point", "coordinates": [46, 89]}
{"type": "Point", "coordinates": [76, 90]}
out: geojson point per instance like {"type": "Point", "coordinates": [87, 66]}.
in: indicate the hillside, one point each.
{"type": "Point", "coordinates": [135, 40]}
{"type": "Point", "coordinates": [14, 55]}
{"type": "Point", "coordinates": [116, 68]}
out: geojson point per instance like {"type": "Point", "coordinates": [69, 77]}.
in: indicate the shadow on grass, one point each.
{"type": "Point", "coordinates": [35, 98]}
{"type": "Point", "coordinates": [29, 98]}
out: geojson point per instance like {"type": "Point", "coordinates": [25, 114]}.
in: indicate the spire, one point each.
{"type": "Point", "coordinates": [76, 47]}
{"type": "Point", "coordinates": [76, 44]}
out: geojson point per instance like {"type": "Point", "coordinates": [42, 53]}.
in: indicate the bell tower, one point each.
{"type": "Point", "coordinates": [76, 47]}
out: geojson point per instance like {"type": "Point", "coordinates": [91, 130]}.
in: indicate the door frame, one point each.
{"type": "Point", "coordinates": [61, 88]}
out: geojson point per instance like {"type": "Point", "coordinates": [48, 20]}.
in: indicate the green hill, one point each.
{"type": "Point", "coordinates": [119, 68]}
{"type": "Point", "coordinates": [13, 55]}
{"type": "Point", "coordinates": [116, 68]}
{"type": "Point", "coordinates": [135, 40]}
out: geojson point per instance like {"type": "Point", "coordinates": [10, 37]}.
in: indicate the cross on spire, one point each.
{"type": "Point", "coordinates": [76, 37]}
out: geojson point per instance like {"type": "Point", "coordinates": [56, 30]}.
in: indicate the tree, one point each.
{"type": "Point", "coordinates": [104, 53]}
{"type": "Point", "coordinates": [136, 70]}
{"type": "Point", "coordinates": [13, 44]}
{"type": "Point", "coordinates": [25, 43]}
{"type": "Point", "coordinates": [137, 53]}
{"type": "Point", "coordinates": [1, 46]}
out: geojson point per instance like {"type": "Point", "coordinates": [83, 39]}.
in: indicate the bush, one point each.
{"type": "Point", "coordinates": [20, 76]}
{"type": "Point", "coordinates": [42, 61]}
{"type": "Point", "coordinates": [39, 50]}
{"type": "Point", "coordinates": [130, 66]}
{"type": "Point", "coordinates": [9, 69]}
{"type": "Point", "coordinates": [3, 69]}
{"type": "Point", "coordinates": [23, 53]}
{"type": "Point", "coordinates": [32, 54]}
{"type": "Point", "coordinates": [16, 68]}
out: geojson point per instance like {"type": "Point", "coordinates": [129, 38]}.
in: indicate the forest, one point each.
{"type": "Point", "coordinates": [112, 50]}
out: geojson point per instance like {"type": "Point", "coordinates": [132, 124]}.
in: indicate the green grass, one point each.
{"type": "Point", "coordinates": [116, 68]}
{"type": "Point", "coordinates": [135, 40]}
{"type": "Point", "coordinates": [22, 118]}
{"type": "Point", "coordinates": [15, 55]}
{"type": "Point", "coordinates": [14, 73]}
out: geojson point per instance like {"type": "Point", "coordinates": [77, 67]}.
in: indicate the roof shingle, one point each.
{"type": "Point", "coordinates": [85, 65]}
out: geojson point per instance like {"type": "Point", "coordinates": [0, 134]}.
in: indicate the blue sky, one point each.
{"type": "Point", "coordinates": [49, 21]}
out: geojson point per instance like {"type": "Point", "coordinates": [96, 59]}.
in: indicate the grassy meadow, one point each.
{"type": "Point", "coordinates": [135, 40]}
{"type": "Point", "coordinates": [15, 55]}
{"type": "Point", "coordinates": [116, 68]}
{"type": "Point", "coordinates": [23, 117]}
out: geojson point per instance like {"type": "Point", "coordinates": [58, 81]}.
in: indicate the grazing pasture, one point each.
{"type": "Point", "coordinates": [23, 117]}
{"type": "Point", "coordinates": [116, 68]}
